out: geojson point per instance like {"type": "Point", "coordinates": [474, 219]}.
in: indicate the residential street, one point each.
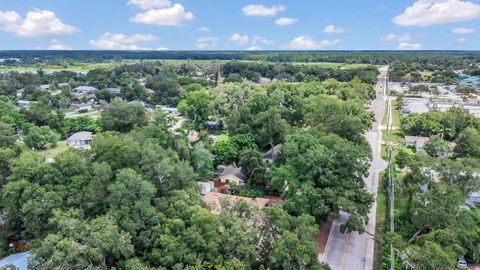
{"type": "Point", "coordinates": [354, 251]}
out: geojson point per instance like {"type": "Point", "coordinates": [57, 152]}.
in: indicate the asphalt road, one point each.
{"type": "Point", "coordinates": [353, 251]}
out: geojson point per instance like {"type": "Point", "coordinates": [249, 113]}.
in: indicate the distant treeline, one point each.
{"type": "Point", "coordinates": [360, 57]}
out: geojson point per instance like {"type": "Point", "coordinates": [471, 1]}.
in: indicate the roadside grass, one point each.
{"type": "Point", "coordinates": [380, 221]}
{"type": "Point", "coordinates": [396, 136]}
{"type": "Point", "coordinates": [53, 152]}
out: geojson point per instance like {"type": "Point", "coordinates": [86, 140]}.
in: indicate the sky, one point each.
{"type": "Point", "coordinates": [240, 25]}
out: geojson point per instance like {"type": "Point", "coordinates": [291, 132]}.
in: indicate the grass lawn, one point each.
{"type": "Point", "coordinates": [396, 136]}
{"type": "Point", "coordinates": [53, 152]}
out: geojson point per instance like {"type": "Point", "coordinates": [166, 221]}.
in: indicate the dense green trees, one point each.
{"type": "Point", "coordinates": [328, 172]}
{"type": "Point", "coordinates": [41, 137]}
{"type": "Point", "coordinates": [197, 107]}
{"type": "Point", "coordinates": [449, 123]}
{"type": "Point", "coordinates": [123, 117]}
{"type": "Point", "coordinates": [131, 201]}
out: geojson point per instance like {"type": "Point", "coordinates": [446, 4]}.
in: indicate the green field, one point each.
{"type": "Point", "coordinates": [75, 66]}
{"type": "Point", "coordinates": [53, 152]}
{"type": "Point", "coordinates": [85, 67]}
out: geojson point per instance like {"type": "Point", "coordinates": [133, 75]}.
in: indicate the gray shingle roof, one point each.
{"type": "Point", "coordinates": [81, 136]}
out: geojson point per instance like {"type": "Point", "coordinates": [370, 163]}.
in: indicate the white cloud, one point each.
{"type": "Point", "coordinates": [434, 12]}
{"type": "Point", "coordinates": [261, 10]}
{"type": "Point", "coordinates": [331, 29]}
{"type": "Point", "coordinates": [463, 30]}
{"type": "Point", "coordinates": [461, 40]}
{"type": "Point", "coordinates": [409, 46]}
{"type": "Point", "coordinates": [169, 16]}
{"type": "Point", "coordinates": [37, 23]}
{"type": "Point", "coordinates": [237, 38]}
{"type": "Point", "coordinates": [57, 45]}
{"type": "Point", "coordinates": [149, 4]}
{"type": "Point", "coordinates": [203, 29]}
{"type": "Point", "coordinates": [109, 41]}
{"type": "Point", "coordinates": [207, 42]}
{"type": "Point", "coordinates": [162, 49]}
{"type": "Point", "coordinates": [396, 38]}
{"type": "Point", "coordinates": [259, 39]}
{"type": "Point", "coordinates": [308, 43]}
{"type": "Point", "coordinates": [254, 48]}
{"type": "Point", "coordinates": [285, 21]}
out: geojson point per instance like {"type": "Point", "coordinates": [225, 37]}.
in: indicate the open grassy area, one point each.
{"type": "Point", "coordinates": [317, 64]}
{"type": "Point", "coordinates": [58, 149]}
{"type": "Point", "coordinates": [73, 66]}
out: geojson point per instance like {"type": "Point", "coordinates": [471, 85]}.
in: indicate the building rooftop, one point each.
{"type": "Point", "coordinates": [19, 260]}
{"type": "Point", "coordinates": [84, 88]}
{"type": "Point", "coordinates": [230, 170]}
{"type": "Point", "coordinates": [80, 136]}
{"type": "Point", "coordinates": [417, 140]}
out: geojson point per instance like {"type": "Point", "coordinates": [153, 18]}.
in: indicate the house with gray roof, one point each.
{"type": "Point", "coordinates": [272, 154]}
{"type": "Point", "coordinates": [114, 90]}
{"type": "Point", "coordinates": [85, 89]}
{"type": "Point", "coordinates": [18, 261]}
{"type": "Point", "coordinates": [80, 139]}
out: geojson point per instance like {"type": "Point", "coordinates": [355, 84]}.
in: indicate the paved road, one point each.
{"type": "Point", "coordinates": [354, 251]}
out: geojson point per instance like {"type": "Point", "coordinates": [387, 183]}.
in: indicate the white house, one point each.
{"type": "Point", "coordinates": [80, 139]}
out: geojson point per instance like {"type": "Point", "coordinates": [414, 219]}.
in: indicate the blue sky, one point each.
{"type": "Point", "coordinates": [240, 25]}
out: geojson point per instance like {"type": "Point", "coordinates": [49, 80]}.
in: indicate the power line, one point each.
{"type": "Point", "coordinates": [391, 184]}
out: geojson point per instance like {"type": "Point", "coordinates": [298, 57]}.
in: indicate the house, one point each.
{"type": "Point", "coordinates": [272, 154]}
{"type": "Point", "coordinates": [45, 87]}
{"type": "Point", "coordinates": [449, 153]}
{"type": "Point", "coordinates": [205, 187]}
{"type": "Point", "coordinates": [214, 200]}
{"type": "Point", "coordinates": [168, 110]}
{"type": "Point", "coordinates": [417, 142]}
{"type": "Point", "coordinates": [114, 90]}
{"type": "Point", "coordinates": [85, 89]}
{"type": "Point", "coordinates": [81, 106]}
{"type": "Point", "coordinates": [213, 125]}
{"type": "Point", "coordinates": [264, 80]}
{"type": "Point", "coordinates": [80, 139]}
{"type": "Point", "coordinates": [23, 103]}
{"type": "Point", "coordinates": [230, 174]}
{"type": "Point", "coordinates": [18, 261]}
{"type": "Point", "coordinates": [19, 92]}
{"type": "Point", "coordinates": [473, 199]}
